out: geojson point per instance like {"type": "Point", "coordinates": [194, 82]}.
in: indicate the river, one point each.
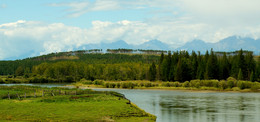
{"type": "Point", "coordinates": [183, 106]}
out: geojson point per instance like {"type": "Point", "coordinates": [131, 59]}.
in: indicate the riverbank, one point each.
{"type": "Point", "coordinates": [229, 85]}
{"type": "Point", "coordinates": [28, 103]}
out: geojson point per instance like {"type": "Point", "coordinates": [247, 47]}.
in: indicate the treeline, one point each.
{"type": "Point", "coordinates": [180, 66]}
{"type": "Point", "coordinates": [174, 66]}
{"type": "Point", "coordinates": [25, 66]}
{"type": "Point", "coordinates": [69, 71]}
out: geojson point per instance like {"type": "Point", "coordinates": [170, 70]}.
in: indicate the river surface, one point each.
{"type": "Point", "coordinates": [183, 106]}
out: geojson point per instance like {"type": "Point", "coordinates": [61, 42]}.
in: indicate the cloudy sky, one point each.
{"type": "Point", "coordinates": [34, 27]}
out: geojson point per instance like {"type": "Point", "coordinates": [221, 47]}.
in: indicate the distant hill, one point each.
{"type": "Point", "coordinates": [229, 44]}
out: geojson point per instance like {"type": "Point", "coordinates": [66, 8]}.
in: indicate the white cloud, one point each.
{"type": "Point", "coordinates": [3, 6]}
{"type": "Point", "coordinates": [23, 37]}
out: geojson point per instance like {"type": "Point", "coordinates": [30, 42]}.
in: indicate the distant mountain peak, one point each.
{"type": "Point", "coordinates": [120, 41]}
{"type": "Point", "coordinates": [231, 43]}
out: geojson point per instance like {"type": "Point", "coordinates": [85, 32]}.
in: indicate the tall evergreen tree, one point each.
{"type": "Point", "coordinates": [212, 67]}
{"type": "Point", "coordinates": [152, 72]}
{"type": "Point", "coordinates": [240, 75]}
{"type": "Point", "coordinates": [224, 71]}
{"type": "Point", "coordinates": [178, 71]}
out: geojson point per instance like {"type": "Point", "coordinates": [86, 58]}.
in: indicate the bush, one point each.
{"type": "Point", "coordinates": [255, 86]}
{"type": "Point", "coordinates": [112, 85]}
{"type": "Point", "coordinates": [210, 83]}
{"type": "Point", "coordinates": [244, 84]}
{"type": "Point", "coordinates": [98, 82]}
{"type": "Point", "coordinates": [230, 84]}
{"type": "Point", "coordinates": [87, 82]}
{"type": "Point", "coordinates": [167, 84]}
{"type": "Point", "coordinates": [176, 84]}
{"type": "Point", "coordinates": [195, 83]}
{"type": "Point", "coordinates": [141, 84]}
{"type": "Point", "coordinates": [222, 84]}
{"type": "Point", "coordinates": [1, 81]}
{"type": "Point", "coordinates": [118, 85]}
{"type": "Point", "coordinates": [106, 85]}
{"type": "Point", "coordinates": [231, 79]}
{"type": "Point", "coordinates": [186, 84]}
{"type": "Point", "coordinates": [148, 84]}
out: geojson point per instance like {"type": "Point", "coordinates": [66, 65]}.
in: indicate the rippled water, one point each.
{"type": "Point", "coordinates": [182, 106]}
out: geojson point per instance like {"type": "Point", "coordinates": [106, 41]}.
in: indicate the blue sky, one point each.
{"type": "Point", "coordinates": [35, 27]}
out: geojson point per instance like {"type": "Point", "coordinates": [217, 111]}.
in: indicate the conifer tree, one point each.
{"type": "Point", "coordinates": [152, 72]}
{"type": "Point", "coordinates": [240, 75]}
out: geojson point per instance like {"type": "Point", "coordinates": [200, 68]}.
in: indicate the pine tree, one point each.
{"type": "Point", "coordinates": [212, 67]}
{"type": "Point", "coordinates": [252, 77]}
{"type": "Point", "coordinates": [178, 71]}
{"type": "Point", "coordinates": [224, 71]}
{"type": "Point", "coordinates": [240, 75]}
{"type": "Point", "coordinates": [250, 65]}
{"type": "Point", "coordinates": [152, 72]}
{"type": "Point", "coordinates": [194, 65]}
{"type": "Point", "coordinates": [160, 69]}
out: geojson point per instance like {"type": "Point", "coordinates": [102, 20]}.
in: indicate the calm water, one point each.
{"type": "Point", "coordinates": [181, 106]}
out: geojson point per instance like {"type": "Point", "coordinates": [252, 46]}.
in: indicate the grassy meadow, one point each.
{"type": "Point", "coordinates": [26, 103]}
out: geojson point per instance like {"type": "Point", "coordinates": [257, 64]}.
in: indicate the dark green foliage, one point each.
{"type": "Point", "coordinates": [240, 75]}
{"type": "Point", "coordinates": [1, 81]}
{"type": "Point", "coordinates": [176, 66]}
{"type": "Point", "coordinates": [152, 72]}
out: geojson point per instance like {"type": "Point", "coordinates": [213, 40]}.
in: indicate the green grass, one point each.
{"type": "Point", "coordinates": [86, 106]}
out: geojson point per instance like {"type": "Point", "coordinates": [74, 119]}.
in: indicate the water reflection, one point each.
{"type": "Point", "coordinates": [210, 107]}
{"type": "Point", "coordinates": [178, 106]}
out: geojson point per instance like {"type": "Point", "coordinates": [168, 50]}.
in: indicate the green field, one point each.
{"type": "Point", "coordinates": [59, 104]}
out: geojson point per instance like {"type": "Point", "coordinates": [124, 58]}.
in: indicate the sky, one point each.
{"type": "Point", "coordinates": [36, 27]}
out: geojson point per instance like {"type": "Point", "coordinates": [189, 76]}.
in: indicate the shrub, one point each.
{"type": "Point", "coordinates": [255, 86]}
{"type": "Point", "coordinates": [118, 85]}
{"type": "Point", "coordinates": [231, 79]}
{"type": "Point", "coordinates": [106, 85]}
{"type": "Point", "coordinates": [210, 83]}
{"type": "Point", "coordinates": [186, 84]}
{"type": "Point", "coordinates": [112, 85]}
{"type": "Point", "coordinates": [195, 83]}
{"type": "Point", "coordinates": [98, 82]}
{"type": "Point", "coordinates": [148, 84]}
{"type": "Point", "coordinates": [230, 84]}
{"type": "Point", "coordinates": [244, 84]}
{"type": "Point", "coordinates": [176, 84]}
{"type": "Point", "coordinates": [1, 81]}
{"type": "Point", "coordinates": [222, 84]}
{"type": "Point", "coordinates": [87, 82]}
{"type": "Point", "coordinates": [167, 84]}
{"type": "Point", "coordinates": [141, 84]}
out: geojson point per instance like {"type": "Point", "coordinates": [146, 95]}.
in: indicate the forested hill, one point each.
{"type": "Point", "coordinates": [95, 56]}
{"type": "Point", "coordinates": [128, 64]}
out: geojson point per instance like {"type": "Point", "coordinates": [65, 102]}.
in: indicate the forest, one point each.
{"type": "Point", "coordinates": [168, 66]}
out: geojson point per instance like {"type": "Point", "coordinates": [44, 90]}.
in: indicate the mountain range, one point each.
{"type": "Point", "coordinates": [228, 44]}
{"type": "Point", "coordinates": [152, 44]}
{"type": "Point", "coordinates": [231, 43]}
